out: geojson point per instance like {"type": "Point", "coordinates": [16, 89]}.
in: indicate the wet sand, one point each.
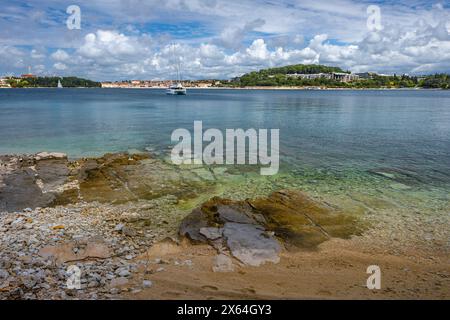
{"type": "Point", "coordinates": [336, 271]}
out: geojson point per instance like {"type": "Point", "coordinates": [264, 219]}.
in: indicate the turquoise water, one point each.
{"type": "Point", "coordinates": [405, 133]}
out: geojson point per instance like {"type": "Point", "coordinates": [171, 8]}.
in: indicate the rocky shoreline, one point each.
{"type": "Point", "coordinates": [51, 219]}
{"type": "Point", "coordinates": [124, 221]}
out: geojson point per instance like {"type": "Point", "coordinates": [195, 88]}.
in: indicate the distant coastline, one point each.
{"type": "Point", "coordinates": [292, 77]}
{"type": "Point", "coordinates": [247, 88]}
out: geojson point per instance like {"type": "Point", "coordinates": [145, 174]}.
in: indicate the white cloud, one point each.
{"type": "Point", "coordinates": [35, 54]}
{"type": "Point", "coordinates": [60, 66]}
{"type": "Point", "coordinates": [60, 55]}
{"type": "Point", "coordinates": [232, 37]}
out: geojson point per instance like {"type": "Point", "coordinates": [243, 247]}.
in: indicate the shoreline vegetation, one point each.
{"type": "Point", "coordinates": [139, 228]}
{"type": "Point", "coordinates": [51, 82]}
{"type": "Point", "coordinates": [319, 76]}
{"type": "Point", "coordinates": [293, 77]}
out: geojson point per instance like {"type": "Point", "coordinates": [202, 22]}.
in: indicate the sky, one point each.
{"type": "Point", "coordinates": [220, 39]}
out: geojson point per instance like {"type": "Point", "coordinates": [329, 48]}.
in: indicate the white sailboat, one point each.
{"type": "Point", "coordinates": [177, 88]}
{"type": "Point", "coordinates": [59, 84]}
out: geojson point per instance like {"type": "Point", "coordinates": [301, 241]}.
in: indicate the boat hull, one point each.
{"type": "Point", "coordinates": [176, 92]}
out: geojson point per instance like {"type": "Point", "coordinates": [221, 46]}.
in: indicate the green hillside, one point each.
{"type": "Point", "coordinates": [279, 77]}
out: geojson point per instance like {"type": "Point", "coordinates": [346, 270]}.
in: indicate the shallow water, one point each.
{"type": "Point", "coordinates": [393, 144]}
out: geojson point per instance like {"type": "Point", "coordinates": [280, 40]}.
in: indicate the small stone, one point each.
{"type": "Point", "coordinates": [124, 273]}
{"type": "Point", "coordinates": [160, 269]}
{"type": "Point", "coordinates": [128, 231]}
{"type": "Point", "coordinates": [4, 274]}
{"type": "Point", "coordinates": [188, 263]}
{"type": "Point", "coordinates": [223, 263]}
{"type": "Point", "coordinates": [119, 227]}
{"type": "Point", "coordinates": [147, 283]}
{"type": "Point", "coordinates": [114, 291]}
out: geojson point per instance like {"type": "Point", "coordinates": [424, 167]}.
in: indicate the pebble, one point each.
{"type": "Point", "coordinates": [123, 273]}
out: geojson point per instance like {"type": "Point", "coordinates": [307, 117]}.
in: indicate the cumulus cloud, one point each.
{"type": "Point", "coordinates": [126, 56]}
{"type": "Point", "coordinates": [232, 37]}
{"type": "Point", "coordinates": [60, 66]}
{"type": "Point", "coordinates": [35, 54]}
{"type": "Point", "coordinates": [60, 55]}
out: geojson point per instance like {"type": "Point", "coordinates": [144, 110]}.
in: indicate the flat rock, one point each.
{"type": "Point", "coordinates": [230, 214]}
{"type": "Point", "coordinates": [49, 155]}
{"type": "Point", "coordinates": [31, 182]}
{"type": "Point", "coordinates": [211, 233]}
{"type": "Point", "coordinates": [250, 244]}
{"type": "Point", "coordinates": [191, 225]}
{"type": "Point", "coordinates": [161, 249]}
{"type": "Point", "coordinates": [65, 252]}
{"type": "Point", "coordinates": [293, 217]}
{"type": "Point", "coordinates": [21, 191]}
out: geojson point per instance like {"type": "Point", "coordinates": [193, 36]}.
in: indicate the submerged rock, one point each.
{"type": "Point", "coordinates": [230, 214]}
{"type": "Point", "coordinates": [303, 222]}
{"type": "Point", "coordinates": [50, 179]}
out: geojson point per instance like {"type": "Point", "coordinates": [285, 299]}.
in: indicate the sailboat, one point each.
{"type": "Point", "coordinates": [177, 88]}
{"type": "Point", "coordinates": [59, 84]}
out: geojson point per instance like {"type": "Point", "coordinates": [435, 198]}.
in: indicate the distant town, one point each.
{"type": "Point", "coordinates": [161, 84]}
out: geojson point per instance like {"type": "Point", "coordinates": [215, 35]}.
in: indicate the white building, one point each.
{"type": "Point", "coordinates": [339, 76]}
{"type": "Point", "coordinates": [4, 83]}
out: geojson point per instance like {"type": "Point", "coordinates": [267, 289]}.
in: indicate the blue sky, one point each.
{"type": "Point", "coordinates": [145, 39]}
